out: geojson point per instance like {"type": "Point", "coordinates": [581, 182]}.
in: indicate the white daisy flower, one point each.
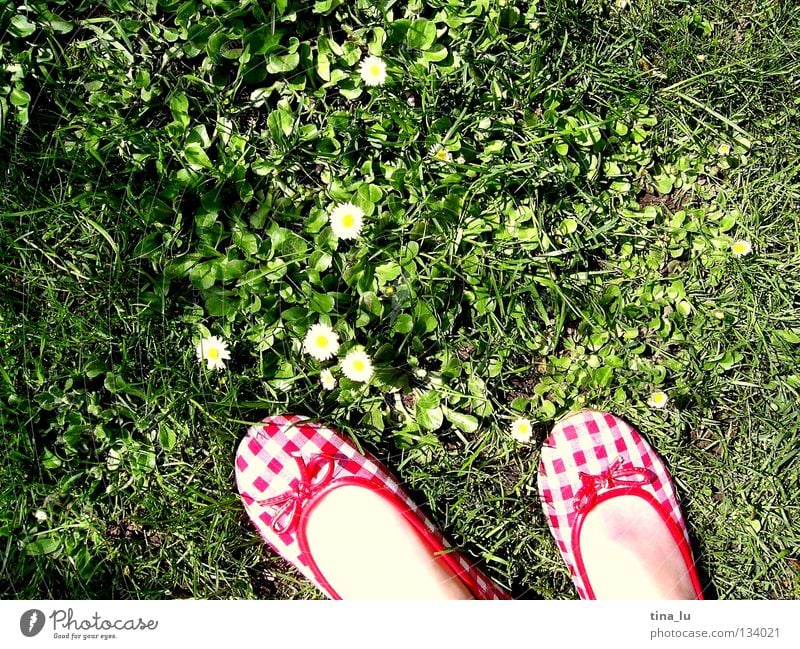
{"type": "Point", "coordinates": [327, 380]}
{"type": "Point", "coordinates": [214, 351]}
{"type": "Point", "coordinates": [658, 399]}
{"type": "Point", "coordinates": [741, 248]}
{"type": "Point", "coordinates": [321, 342]}
{"type": "Point", "coordinates": [373, 71]}
{"type": "Point", "coordinates": [347, 220]}
{"type": "Point", "coordinates": [357, 366]}
{"type": "Point", "coordinates": [724, 149]}
{"type": "Point", "coordinates": [521, 430]}
{"type": "Point", "coordinates": [440, 153]}
{"type": "Point", "coordinates": [40, 515]}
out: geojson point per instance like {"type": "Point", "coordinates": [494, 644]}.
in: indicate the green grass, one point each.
{"type": "Point", "coordinates": [157, 186]}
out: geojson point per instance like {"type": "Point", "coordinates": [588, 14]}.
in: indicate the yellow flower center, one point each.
{"type": "Point", "coordinates": [375, 70]}
{"type": "Point", "coordinates": [441, 154]}
{"type": "Point", "coordinates": [358, 365]}
{"type": "Point", "coordinates": [523, 429]}
{"type": "Point", "coordinates": [348, 220]}
{"type": "Point", "coordinates": [213, 353]}
{"type": "Point", "coordinates": [322, 341]}
{"type": "Point", "coordinates": [659, 397]}
{"type": "Point", "coordinates": [740, 248]}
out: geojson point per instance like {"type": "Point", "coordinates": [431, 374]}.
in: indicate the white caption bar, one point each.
{"type": "Point", "coordinates": [352, 625]}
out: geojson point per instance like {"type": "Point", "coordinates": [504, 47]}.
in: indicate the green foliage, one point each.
{"type": "Point", "coordinates": [172, 169]}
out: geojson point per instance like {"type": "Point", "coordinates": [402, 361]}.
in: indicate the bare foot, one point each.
{"type": "Point", "coordinates": [629, 553]}
{"type": "Point", "coordinates": [367, 550]}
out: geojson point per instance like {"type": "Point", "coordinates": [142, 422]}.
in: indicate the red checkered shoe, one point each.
{"type": "Point", "coordinates": [589, 459]}
{"type": "Point", "coordinates": [288, 466]}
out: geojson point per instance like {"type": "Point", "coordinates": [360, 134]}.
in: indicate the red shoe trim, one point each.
{"type": "Point", "coordinates": [439, 551]}
{"type": "Point", "coordinates": [674, 530]}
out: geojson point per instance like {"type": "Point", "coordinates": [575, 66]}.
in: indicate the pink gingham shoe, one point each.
{"type": "Point", "coordinates": [589, 458]}
{"type": "Point", "coordinates": [286, 465]}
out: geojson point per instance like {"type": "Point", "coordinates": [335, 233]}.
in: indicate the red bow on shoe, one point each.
{"type": "Point", "coordinates": [615, 475]}
{"type": "Point", "coordinates": [313, 477]}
